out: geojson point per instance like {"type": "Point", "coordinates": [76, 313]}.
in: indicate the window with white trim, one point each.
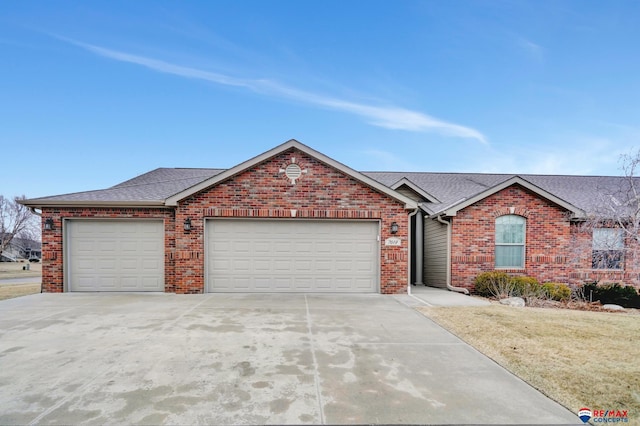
{"type": "Point", "coordinates": [608, 248]}
{"type": "Point", "coordinates": [510, 241]}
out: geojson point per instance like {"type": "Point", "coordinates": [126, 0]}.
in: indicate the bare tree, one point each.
{"type": "Point", "coordinates": [16, 220]}
{"type": "Point", "coordinates": [613, 219]}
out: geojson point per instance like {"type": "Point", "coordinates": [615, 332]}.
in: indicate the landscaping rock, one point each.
{"type": "Point", "coordinates": [516, 302]}
{"type": "Point", "coordinates": [612, 307]}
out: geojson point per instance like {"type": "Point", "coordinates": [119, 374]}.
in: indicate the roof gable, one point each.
{"type": "Point", "coordinates": [416, 189]}
{"type": "Point", "coordinates": [453, 209]}
{"type": "Point", "coordinates": [227, 174]}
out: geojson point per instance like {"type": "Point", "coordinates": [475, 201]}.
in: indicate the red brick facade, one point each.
{"type": "Point", "coordinates": [262, 191]}
{"type": "Point", "coordinates": [555, 249]}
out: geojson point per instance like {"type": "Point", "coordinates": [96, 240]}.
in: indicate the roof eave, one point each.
{"type": "Point", "coordinates": [38, 204]}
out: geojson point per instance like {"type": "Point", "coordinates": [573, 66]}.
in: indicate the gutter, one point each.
{"type": "Point", "coordinates": [449, 286]}
{"type": "Point", "coordinates": [36, 204]}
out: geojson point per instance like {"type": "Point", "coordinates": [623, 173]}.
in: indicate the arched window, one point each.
{"type": "Point", "coordinates": [510, 232]}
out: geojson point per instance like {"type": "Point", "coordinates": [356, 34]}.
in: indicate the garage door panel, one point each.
{"type": "Point", "coordinates": [220, 265]}
{"type": "Point", "coordinates": [241, 265]}
{"type": "Point", "coordinates": [262, 284]}
{"type": "Point", "coordinates": [221, 246]}
{"type": "Point", "coordinates": [151, 264]}
{"type": "Point", "coordinates": [115, 255]}
{"type": "Point", "coordinates": [304, 248]}
{"type": "Point", "coordinates": [241, 247]}
{"type": "Point", "coordinates": [262, 247]}
{"type": "Point", "coordinates": [151, 283]}
{"type": "Point", "coordinates": [323, 247]}
{"type": "Point", "coordinates": [364, 266]}
{"type": "Point", "coordinates": [304, 266]}
{"type": "Point", "coordinates": [261, 266]}
{"type": "Point", "coordinates": [291, 256]}
{"type": "Point", "coordinates": [282, 283]}
{"type": "Point", "coordinates": [129, 283]}
{"type": "Point", "coordinates": [106, 282]}
{"type": "Point", "coordinates": [105, 265]}
{"type": "Point", "coordinates": [362, 283]}
{"type": "Point", "coordinates": [324, 283]}
{"type": "Point", "coordinates": [107, 246]}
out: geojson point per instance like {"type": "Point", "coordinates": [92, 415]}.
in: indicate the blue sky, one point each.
{"type": "Point", "coordinates": [93, 93]}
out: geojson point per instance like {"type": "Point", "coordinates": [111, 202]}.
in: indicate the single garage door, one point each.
{"type": "Point", "coordinates": [115, 255]}
{"type": "Point", "coordinates": [262, 255]}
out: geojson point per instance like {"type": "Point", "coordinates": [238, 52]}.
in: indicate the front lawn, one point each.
{"type": "Point", "coordinates": [578, 358]}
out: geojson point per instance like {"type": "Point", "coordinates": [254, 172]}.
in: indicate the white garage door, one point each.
{"type": "Point", "coordinates": [115, 255]}
{"type": "Point", "coordinates": [265, 255]}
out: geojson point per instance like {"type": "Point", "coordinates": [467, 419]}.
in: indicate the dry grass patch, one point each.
{"type": "Point", "coordinates": [14, 269]}
{"type": "Point", "coordinates": [580, 359]}
{"type": "Point", "coordinates": [9, 291]}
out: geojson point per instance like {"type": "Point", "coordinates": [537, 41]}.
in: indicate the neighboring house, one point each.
{"type": "Point", "coordinates": [522, 224]}
{"type": "Point", "coordinates": [295, 220]}
{"type": "Point", "coordinates": [21, 248]}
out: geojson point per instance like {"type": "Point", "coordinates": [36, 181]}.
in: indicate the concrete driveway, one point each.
{"type": "Point", "coordinates": [247, 359]}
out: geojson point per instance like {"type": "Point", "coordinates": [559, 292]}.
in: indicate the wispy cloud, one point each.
{"type": "Point", "coordinates": [532, 49]}
{"type": "Point", "coordinates": [390, 117]}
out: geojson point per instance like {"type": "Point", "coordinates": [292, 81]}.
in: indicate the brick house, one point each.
{"type": "Point", "coordinates": [295, 220]}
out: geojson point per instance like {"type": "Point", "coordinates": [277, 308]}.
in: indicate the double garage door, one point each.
{"type": "Point", "coordinates": [242, 255]}
{"type": "Point", "coordinates": [263, 255]}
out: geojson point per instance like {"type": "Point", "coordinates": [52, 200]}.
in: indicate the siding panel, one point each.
{"type": "Point", "coordinates": [435, 253]}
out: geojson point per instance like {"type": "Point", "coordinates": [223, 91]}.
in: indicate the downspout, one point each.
{"type": "Point", "coordinates": [419, 247]}
{"type": "Point", "coordinates": [409, 248]}
{"type": "Point", "coordinates": [449, 286]}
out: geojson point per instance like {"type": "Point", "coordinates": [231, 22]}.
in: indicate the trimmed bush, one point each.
{"type": "Point", "coordinates": [626, 296]}
{"type": "Point", "coordinates": [557, 291]}
{"type": "Point", "coordinates": [494, 284]}
{"type": "Point", "coordinates": [526, 287]}
{"type": "Point", "coordinates": [499, 284]}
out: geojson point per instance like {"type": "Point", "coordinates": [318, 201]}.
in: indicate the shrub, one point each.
{"type": "Point", "coordinates": [626, 296]}
{"type": "Point", "coordinates": [526, 287]}
{"type": "Point", "coordinates": [499, 284]}
{"type": "Point", "coordinates": [557, 291]}
{"type": "Point", "coordinates": [494, 284]}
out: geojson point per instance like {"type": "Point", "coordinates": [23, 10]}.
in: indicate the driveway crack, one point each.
{"type": "Point", "coordinates": [316, 374]}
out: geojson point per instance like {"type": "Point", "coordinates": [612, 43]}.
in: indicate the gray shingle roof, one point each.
{"type": "Point", "coordinates": [158, 185]}
{"type": "Point", "coordinates": [582, 191]}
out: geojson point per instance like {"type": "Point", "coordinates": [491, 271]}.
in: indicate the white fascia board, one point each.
{"type": "Point", "coordinates": [35, 203]}
{"type": "Point", "coordinates": [454, 209]}
{"type": "Point", "coordinates": [173, 200]}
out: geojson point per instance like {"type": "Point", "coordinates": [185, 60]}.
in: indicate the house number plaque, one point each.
{"type": "Point", "coordinates": [393, 241]}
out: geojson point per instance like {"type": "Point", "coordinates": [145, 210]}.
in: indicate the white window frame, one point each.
{"type": "Point", "coordinates": [523, 244]}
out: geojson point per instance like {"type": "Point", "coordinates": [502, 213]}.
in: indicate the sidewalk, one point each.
{"type": "Point", "coordinates": [433, 296]}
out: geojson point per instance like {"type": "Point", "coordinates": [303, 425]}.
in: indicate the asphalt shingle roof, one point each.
{"type": "Point", "coordinates": [156, 185]}
{"type": "Point", "coordinates": [449, 188]}
{"type": "Point", "coordinates": [583, 192]}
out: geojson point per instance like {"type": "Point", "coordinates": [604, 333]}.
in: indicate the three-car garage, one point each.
{"type": "Point", "coordinates": [242, 255]}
